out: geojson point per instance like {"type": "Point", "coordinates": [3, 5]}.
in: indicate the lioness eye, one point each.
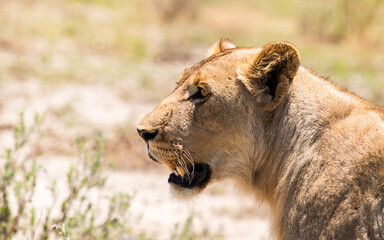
{"type": "Point", "coordinates": [204, 92]}
{"type": "Point", "coordinates": [201, 93]}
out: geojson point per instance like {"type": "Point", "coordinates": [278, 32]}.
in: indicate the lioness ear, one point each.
{"type": "Point", "coordinates": [220, 46]}
{"type": "Point", "coordinates": [270, 74]}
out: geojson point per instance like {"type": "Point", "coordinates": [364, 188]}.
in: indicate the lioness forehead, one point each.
{"type": "Point", "coordinates": [233, 56]}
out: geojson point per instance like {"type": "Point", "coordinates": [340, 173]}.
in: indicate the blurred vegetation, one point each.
{"type": "Point", "coordinates": [111, 40]}
{"type": "Point", "coordinates": [18, 182]}
{"type": "Point", "coordinates": [74, 215]}
{"type": "Point", "coordinates": [342, 19]}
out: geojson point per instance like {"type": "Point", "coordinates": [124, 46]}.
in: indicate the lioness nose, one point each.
{"type": "Point", "coordinates": [147, 134]}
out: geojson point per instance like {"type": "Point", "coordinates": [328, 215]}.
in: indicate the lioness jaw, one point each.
{"type": "Point", "coordinates": [313, 151]}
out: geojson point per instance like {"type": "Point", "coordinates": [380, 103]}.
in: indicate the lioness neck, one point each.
{"type": "Point", "coordinates": [312, 104]}
{"type": "Point", "coordinates": [312, 109]}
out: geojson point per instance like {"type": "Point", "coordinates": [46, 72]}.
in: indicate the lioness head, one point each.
{"type": "Point", "coordinates": [212, 126]}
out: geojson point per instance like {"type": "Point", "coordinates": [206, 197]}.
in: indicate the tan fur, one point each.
{"type": "Point", "coordinates": [313, 151]}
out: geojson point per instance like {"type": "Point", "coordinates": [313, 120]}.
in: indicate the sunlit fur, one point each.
{"type": "Point", "coordinates": [313, 151]}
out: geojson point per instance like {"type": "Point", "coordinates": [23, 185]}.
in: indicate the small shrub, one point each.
{"type": "Point", "coordinates": [186, 231]}
{"type": "Point", "coordinates": [18, 182]}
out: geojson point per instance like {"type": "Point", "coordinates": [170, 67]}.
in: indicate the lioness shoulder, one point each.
{"type": "Point", "coordinates": [313, 151]}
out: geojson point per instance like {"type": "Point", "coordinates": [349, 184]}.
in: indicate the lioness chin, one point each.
{"type": "Point", "coordinates": [313, 151]}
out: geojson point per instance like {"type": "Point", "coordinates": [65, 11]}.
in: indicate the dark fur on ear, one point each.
{"type": "Point", "coordinates": [272, 72]}
{"type": "Point", "coordinates": [220, 46]}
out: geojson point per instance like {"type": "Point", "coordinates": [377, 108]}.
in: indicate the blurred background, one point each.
{"type": "Point", "coordinates": [96, 67]}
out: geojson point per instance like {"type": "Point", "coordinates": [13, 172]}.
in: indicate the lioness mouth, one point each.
{"type": "Point", "coordinates": [198, 178]}
{"type": "Point", "coordinates": [185, 173]}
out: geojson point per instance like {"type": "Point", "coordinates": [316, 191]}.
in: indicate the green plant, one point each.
{"type": "Point", "coordinates": [18, 182]}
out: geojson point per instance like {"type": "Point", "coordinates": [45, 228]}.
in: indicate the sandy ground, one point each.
{"type": "Point", "coordinates": [219, 210]}
{"type": "Point", "coordinates": [226, 212]}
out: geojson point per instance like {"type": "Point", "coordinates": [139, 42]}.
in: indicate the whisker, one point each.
{"type": "Point", "coordinates": [188, 156]}
{"type": "Point", "coordinates": [190, 159]}
{"type": "Point", "coordinates": [182, 163]}
{"type": "Point", "coordinates": [182, 158]}
{"type": "Point", "coordinates": [187, 152]}
{"type": "Point", "coordinates": [185, 166]}
{"type": "Point", "coordinates": [190, 176]}
{"type": "Point", "coordinates": [178, 159]}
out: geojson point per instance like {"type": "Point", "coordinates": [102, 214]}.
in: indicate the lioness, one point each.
{"type": "Point", "coordinates": [313, 151]}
